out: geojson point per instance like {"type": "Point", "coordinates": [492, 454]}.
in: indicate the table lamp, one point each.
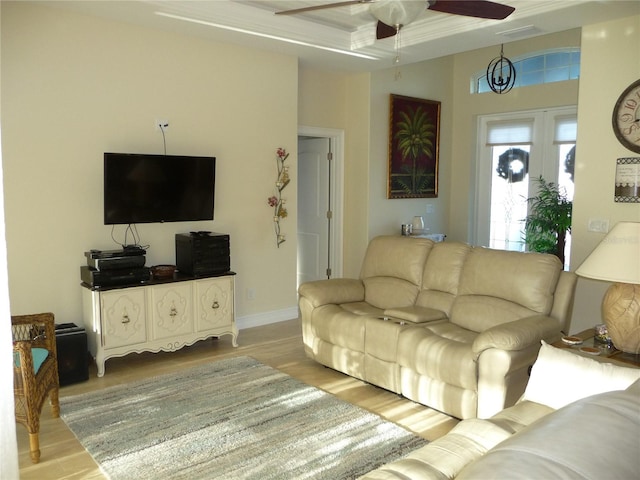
{"type": "Point", "coordinates": [617, 259]}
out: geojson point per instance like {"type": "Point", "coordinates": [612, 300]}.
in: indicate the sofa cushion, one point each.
{"type": "Point", "coordinates": [392, 270]}
{"type": "Point", "coordinates": [593, 438]}
{"type": "Point", "coordinates": [39, 355]}
{"type": "Point", "coordinates": [334, 290]}
{"type": "Point", "coordinates": [498, 286]}
{"type": "Point", "coordinates": [559, 377]}
{"type": "Point", "coordinates": [388, 292]}
{"type": "Point", "coordinates": [518, 335]}
{"type": "Point", "coordinates": [363, 308]}
{"type": "Point", "coordinates": [442, 275]}
{"type": "Point", "coordinates": [336, 326]}
{"type": "Point", "coordinates": [396, 256]}
{"type": "Point", "coordinates": [442, 352]}
{"type": "Point", "coordinates": [480, 313]}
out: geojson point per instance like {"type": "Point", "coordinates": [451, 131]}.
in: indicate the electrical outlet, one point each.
{"type": "Point", "coordinates": [251, 293]}
{"type": "Point", "coordinates": [598, 225]}
{"type": "Point", "coordinates": [429, 208]}
{"type": "Point", "coordinates": [162, 125]}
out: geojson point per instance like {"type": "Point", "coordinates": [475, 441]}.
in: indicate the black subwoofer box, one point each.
{"type": "Point", "coordinates": [73, 356]}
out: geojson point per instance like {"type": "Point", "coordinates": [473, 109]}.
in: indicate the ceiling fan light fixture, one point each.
{"type": "Point", "coordinates": [397, 13]}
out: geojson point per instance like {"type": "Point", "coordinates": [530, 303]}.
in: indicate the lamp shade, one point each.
{"type": "Point", "coordinates": [617, 257]}
{"type": "Point", "coordinates": [397, 13]}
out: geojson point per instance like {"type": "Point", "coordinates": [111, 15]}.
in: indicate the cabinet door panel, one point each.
{"type": "Point", "coordinates": [124, 317]}
{"type": "Point", "coordinates": [171, 310]}
{"type": "Point", "coordinates": [214, 303]}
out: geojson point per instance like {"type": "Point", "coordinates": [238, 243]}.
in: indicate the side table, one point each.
{"type": "Point", "coordinates": [607, 352]}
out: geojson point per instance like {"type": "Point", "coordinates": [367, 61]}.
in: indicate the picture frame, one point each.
{"type": "Point", "coordinates": [627, 187]}
{"type": "Point", "coordinates": [414, 141]}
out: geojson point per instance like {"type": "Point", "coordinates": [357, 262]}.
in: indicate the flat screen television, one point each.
{"type": "Point", "coordinates": [142, 188]}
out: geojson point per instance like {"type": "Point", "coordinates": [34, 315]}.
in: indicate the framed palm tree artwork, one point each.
{"type": "Point", "coordinates": [414, 135]}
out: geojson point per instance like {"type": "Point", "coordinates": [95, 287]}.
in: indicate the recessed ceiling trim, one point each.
{"type": "Point", "coordinates": [266, 35]}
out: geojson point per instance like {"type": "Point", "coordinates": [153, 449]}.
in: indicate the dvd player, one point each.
{"type": "Point", "coordinates": [112, 278]}
{"type": "Point", "coordinates": [114, 263]}
{"type": "Point", "coordinates": [125, 252]}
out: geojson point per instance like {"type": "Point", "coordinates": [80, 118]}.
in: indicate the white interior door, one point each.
{"type": "Point", "coordinates": [314, 207]}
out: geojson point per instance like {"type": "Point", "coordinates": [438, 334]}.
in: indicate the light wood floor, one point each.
{"type": "Point", "coordinates": [278, 345]}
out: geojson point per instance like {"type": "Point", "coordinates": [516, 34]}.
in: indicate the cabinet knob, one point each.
{"type": "Point", "coordinates": [125, 319]}
{"type": "Point", "coordinates": [173, 312]}
{"type": "Point", "coordinates": [215, 304]}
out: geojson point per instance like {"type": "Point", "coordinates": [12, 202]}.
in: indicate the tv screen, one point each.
{"type": "Point", "coordinates": [157, 188]}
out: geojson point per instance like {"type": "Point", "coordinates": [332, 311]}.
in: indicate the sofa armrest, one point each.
{"type": "Point", "coordinates": [332, 291]}
{"type": "Point", "coordinates": [518, 335]}
{"type": "Point", "coordinates": [563, 444]}
{"type": "Point", "coordinates": [446, 456]}
{"type": "Point", "coordinates": [415, 314]}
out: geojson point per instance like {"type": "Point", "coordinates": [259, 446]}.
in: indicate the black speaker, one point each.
{"type": "Point", "coordinates": [202, 253]}
{"type": "Point", "coordinates": [73, 356]}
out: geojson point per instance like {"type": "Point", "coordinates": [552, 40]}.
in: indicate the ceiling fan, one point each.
{"type": "Point", "coordinates": [392, 15]}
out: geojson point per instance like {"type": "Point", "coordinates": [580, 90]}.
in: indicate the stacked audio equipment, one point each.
{"type": "Point", "coordinates": [73, 355]}
{"type": "Point", "coordinates": [108, 268]}
{"type": "Point", "coordinates": [202, 253]}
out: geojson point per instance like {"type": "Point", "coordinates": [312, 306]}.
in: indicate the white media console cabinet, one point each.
{"type": "Point", "coordinates": [158, 316]}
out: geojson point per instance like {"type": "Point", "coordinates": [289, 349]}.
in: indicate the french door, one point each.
{"type": "Point", "coordinates": [514, 150]}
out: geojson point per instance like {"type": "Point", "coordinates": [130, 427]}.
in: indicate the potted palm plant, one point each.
{"type": "Point", "coordinates": [549, 219]}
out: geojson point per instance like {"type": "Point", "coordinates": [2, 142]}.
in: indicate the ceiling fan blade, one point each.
{"type": "Point", "coordinates": [472, 8]}
{"type": "Point", "coordinates": [385, 31]}
{"type": "Point", "coordinates": [321, 7]}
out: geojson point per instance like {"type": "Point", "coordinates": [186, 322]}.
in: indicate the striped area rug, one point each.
{"type": "Point", "coordinates": [230, 419]}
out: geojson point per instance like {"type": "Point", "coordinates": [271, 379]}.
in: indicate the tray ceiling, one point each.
{"type": "Point", "coordinates": [343, 38]}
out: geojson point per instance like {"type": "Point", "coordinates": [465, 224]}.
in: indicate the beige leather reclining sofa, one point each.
{"type": "Point", "coordinates": [447, 325]}
{"type": "Point", "coordinates": [553, 432]}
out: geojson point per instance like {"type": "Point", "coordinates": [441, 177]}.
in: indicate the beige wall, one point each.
{"type": "Point", "coordinates": [357, 172]}
{"type": "Point", "coordinates": [74, 87]}
{"type": "Point", "coordinates": [322, 98]}
{"type": "Point", "coordinates": [610, 62]}
{"type": "Point", "coordinates": [9, 466]}
{"type": "Point", "coordinates": [340, 101]}
{"type": "Point", "coordinates": [431, 80]}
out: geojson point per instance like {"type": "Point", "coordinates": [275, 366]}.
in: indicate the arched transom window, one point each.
{"type": "Point", "coordinates": [536, 68]}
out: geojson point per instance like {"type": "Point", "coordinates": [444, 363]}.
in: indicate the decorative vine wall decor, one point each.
{"type": "Point", "coordinates": [276, 201]}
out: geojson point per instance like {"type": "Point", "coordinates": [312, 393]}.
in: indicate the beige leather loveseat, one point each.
{"type": "Point", "coordinates": [448, 325]}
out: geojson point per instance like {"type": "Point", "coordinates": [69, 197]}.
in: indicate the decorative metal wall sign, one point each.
{"type": "Point", "coordinates": [627, 180]}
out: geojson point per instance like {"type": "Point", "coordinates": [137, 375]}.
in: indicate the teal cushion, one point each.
{"type": "Point", "coordinates": [39, 356]}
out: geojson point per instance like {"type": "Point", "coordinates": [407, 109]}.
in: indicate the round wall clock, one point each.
{"type": "Point", "coordinates": [626, 117]}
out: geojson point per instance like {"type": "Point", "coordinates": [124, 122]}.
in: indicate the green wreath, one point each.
{"type": "Point", "coordinates": [513, 165]}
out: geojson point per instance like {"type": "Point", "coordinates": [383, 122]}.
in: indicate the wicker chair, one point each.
{"type": "Point", "coordinates": [35, 372]}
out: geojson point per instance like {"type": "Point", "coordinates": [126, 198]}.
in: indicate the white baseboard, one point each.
{"type": "Point", "coordinates": [266, 318]}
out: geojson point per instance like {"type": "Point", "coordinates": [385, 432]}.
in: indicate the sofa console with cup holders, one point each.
{"type": "Point", "coordinates": [448, 325]}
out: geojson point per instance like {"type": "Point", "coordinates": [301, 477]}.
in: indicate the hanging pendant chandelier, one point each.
{"type": "Point", "coordinates": [501, 74]}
